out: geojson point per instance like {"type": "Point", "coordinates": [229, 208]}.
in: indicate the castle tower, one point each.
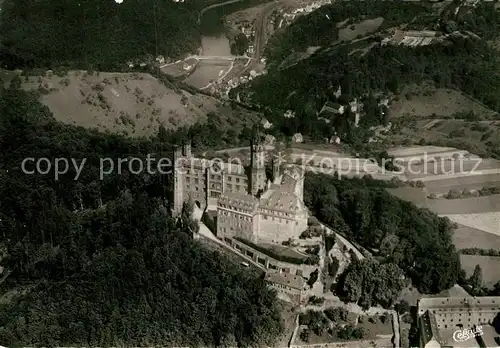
{"type": "Point", "coordinates": [276, 170]}
{"type": "Point", "coordinates": [178, 172]}
{"type": "Point", "coordinates": [258, 170]}
{"type": "Point", "coordinates": [186, 150]}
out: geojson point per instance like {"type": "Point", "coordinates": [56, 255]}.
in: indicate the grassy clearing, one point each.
{"type": "Point", "coordinates": [468, 237]}
{"type": "Point", "coordinates": [426, 100]}
{"type": "Point", "coordinates": [374, 327]}
{"type": "Point", "coordinates": [133, 104]}
{"type": "Point", "coordinates": [360, 29]}
{"type": "Point", "coordinates": [488, 222]}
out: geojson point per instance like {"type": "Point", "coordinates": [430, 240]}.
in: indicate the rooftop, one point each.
{"type": "Point", "coordinates": [282, 201]}
{"type": "Point", "coordinates": [293, 281]}
{"type": "Point", "coordinates": [238, 200]}
{"type": "Point", "coordinates": [448, 340]}
{"type": "Point", "coordinates": [460, 302]}
{"type": "Point", "coordinates": [429, 328]}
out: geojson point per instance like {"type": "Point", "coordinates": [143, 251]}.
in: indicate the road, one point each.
{"type": "Point", "coordinates": [261, 28]}
{"type": "Point", "coordinates": [260, 36]}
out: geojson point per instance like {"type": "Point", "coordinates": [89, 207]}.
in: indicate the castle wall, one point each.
{"type": "Point", "coordinates": [231, 224]}
{"type": "Point", "coordinates": [287, 293]}
{"type": "Point", "coordinates": [276, 229]}
{"type": "Point", "coordinates": [269, 262]}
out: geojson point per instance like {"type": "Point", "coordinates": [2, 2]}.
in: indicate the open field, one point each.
{"type": "Point", "coordinates": [463, 183]}
{"type": "Point", "coordinates": [490, 266]}
{"type": "Point", "coordinates": [363, 28]}
{"type": "Point", "coordinates": [426, 100]}
{"type": "Point", "coordinates": [488, 222]}
{"type": "Point", "coordinates": [414, 152]}
{"type": "Point", "coordinates": [207, 72]}
{"type": "Point", "coordinates": [469, 237]}
{"type": "Point", "coordinates": [133, 104]}
{"type": "Point", "coordinates": [479, 137]}
{"type": "Point", "coordinates": [376, 329]}
{"type": "Point", "coordinates": [413, 194]}
{"type": "Point", "coordinates": [473, 205]}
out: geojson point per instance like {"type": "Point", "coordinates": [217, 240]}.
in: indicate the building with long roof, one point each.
{"type": "Point", "coordinates": [439, 319]}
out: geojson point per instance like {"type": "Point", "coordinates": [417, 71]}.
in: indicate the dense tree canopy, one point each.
{"type": "Point", "coordinates": [465, 63]}
{"type": "Point", "coordinates": [94, 34]}
{"type": "Point", "coordinates": [103, 262]}
{"type": "Point", "coordinates": [416, 240]}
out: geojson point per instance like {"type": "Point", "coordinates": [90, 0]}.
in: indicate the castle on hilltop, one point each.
{"type": "Point", "coordinates": [248, 204]}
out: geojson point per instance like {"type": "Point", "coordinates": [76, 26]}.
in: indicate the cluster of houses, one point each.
{"type": "Point", "coordinates": [249, 32]}
{"type": "Point", "coordinates": [331, 111]}
{"type": "Point", "coordinates": [285, 18]}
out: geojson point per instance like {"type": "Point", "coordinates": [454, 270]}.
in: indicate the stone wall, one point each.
{"type": "Point", "coordinates": [270, 263]}
{"type": "Point", "coordinates": [278, 229]}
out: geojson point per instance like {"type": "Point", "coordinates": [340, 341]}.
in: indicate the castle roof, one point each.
{"type": "Point", "coordinates": [469, 302]}
{"type": "Point", "coordinates": [238, 200]}
{"type": "Point", "coordinates": [282, 201]}
{"type": "Point", "coordinates": [288, 183]}
{"type": "Point", "coordinates": [291, 280]}
{"type": "Point", "coordinates": [429, 328]}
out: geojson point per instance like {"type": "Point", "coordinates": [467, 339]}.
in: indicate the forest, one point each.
{"type": "Point", "coordinates": [95, 34]}
{"type": "Point", "coordinates": [319, 28]}
{"type": "Point", "coordinates": [468, 64]}
{"type": "Point", "coordinates": [103, 263]}
{"type": "Point", "coordinates": [400, 235]}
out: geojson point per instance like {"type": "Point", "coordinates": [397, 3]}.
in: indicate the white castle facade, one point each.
{"type": "Point", "coordinates": [249, 206]}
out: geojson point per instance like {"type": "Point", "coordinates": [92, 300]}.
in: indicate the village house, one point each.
{"type": "Point", "coordinates": [297, 138]}
{"type": "Point", "coordinates": [289, 287]}
{"type": "Point", "coordinates": [330, 110]}
{"type": "Point", "coordinates": [265, 123]}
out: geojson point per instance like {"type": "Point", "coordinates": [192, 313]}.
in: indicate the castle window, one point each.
{"type": "Point", "coordinates": [237, 180]}
{"type": "Point", "coordinates": [196, 181]}
{"type": "Point", "coordinates": [187, 171]}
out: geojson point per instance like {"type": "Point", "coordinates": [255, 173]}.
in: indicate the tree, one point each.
{"type": "Point", "coordinates": [333, 266]}
{"type": "Point", "coordinates": [476, 280]}
{"type": "Point", "coordinates": [15, 83]}
{"type": "Point", "coordinates": [496, 323]}
{"type": "Point", "coordinates": [240, 44]}
{"type": "Point", "coordinates": [313, 278]}
{"type": "Point", "coordinates": [402, 307]}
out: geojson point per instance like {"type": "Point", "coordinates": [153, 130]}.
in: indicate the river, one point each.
{"type": "Point", "coordinates": [214, 41]}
